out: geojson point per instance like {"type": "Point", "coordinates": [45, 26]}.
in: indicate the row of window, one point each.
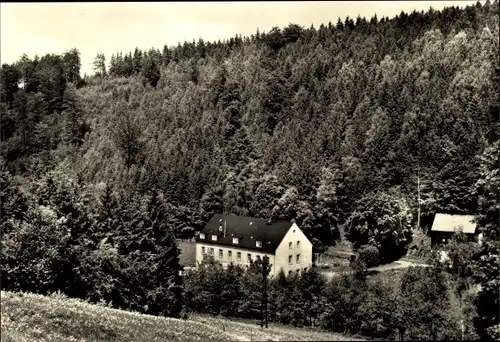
{"type": "Point", "coordinates": [229, 254]}
{"type": "Point", "coordinates": [238, 255]}
{"type": "Point", "coordinates": [290, 244]}
{"type": "Point", "coordinates": [235, 240]}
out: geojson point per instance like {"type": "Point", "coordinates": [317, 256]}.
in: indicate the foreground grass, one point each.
{"type": "Point", "coordinates": [32, 317]}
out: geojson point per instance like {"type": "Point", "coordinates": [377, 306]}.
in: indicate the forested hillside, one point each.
{"type": "Point", "coordinates": [339, 127]}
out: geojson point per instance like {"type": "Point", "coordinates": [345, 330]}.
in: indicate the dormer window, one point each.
{"type": "Point", "coordinates": [235, 240]}
{"type": "Point", "coordinates": [214, 237]}
{"type": "Point", "coordinates": [258, 243]}
{"type": "Point", "coordinates": [202, 235]}
{"type": "Point", "coordinates": [220, 228]}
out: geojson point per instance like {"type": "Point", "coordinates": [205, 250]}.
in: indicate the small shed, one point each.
{"type": "Point", "coordinates": [445, 225]}
{"type": "Point", "coordinates": [317, 252]}
{"type": "Point", "coordinates": [187, 256]}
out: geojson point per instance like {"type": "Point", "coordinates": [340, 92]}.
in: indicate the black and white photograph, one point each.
{"type": "Point", "coordinates": [250, 171]}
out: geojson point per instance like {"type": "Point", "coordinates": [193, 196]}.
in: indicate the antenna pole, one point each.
{"type": "Point", "coordinates": [418, 192]}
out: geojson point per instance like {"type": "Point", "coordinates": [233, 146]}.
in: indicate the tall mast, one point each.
{"type": "Point", "coordinates": [418, 192]}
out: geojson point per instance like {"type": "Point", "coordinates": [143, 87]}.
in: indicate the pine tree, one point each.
{"type": "Point", "coordinates": [137, 61]}
{"type": "Point", "coordinates": [126, 133]}
{"type": "Point", "coordinates": [100, 64]}
{"type": "Point", "coordinates": [487, 259]}
{"type": "Point", "coordinates": [73, 64]}
{"type": "Point", "coordinates": [150, 71]}
{"type": "Point", "coordinates": [74, 128]}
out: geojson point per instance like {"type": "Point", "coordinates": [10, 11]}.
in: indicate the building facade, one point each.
{"type": "Point", "coordinates": [238, 240]}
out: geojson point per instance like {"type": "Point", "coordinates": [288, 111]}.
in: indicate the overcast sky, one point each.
{"type": "Point", "coordinates": [40, 28]}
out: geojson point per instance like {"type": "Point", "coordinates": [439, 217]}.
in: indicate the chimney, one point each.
{"type": "Point", "coordinates": [224, 228]}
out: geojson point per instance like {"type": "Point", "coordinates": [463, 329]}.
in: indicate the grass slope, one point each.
{"type": "Point", "coordinates": [32, 317]}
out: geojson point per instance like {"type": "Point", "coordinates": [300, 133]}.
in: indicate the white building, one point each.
{"type": "Point", "coordinates": [236, 239]}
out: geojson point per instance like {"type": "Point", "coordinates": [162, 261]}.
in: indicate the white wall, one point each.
{"type": "Point", "coordinates": [283, 251]}
{"type": "Point", "coordinates": [225, 261]}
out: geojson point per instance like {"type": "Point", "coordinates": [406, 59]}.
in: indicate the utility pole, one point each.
{"type": "Point", "coordinates": [265, 272]}
{"type": "Point", "coordinates": [418, 191]}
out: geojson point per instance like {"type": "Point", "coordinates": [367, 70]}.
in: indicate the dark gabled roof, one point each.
{"type": "Point", "coordinates": [248, 230]}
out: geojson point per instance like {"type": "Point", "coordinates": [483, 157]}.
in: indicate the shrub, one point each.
{"type": "Point", "coordinates": [369, 255]}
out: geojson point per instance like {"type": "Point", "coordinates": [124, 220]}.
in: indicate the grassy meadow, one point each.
{"type": "Point", "coordinates": [33, 317]}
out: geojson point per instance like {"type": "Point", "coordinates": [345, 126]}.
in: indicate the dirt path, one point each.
{"type": "Point", "coordinates": [382, 268]}
{"type": "Point", "coordinates": [397, 264]}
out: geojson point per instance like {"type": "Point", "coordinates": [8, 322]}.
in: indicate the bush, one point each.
{"type": "Point", "coordinates": [420, 247]}
{"type": "Point", "coordinates": [369, 255]}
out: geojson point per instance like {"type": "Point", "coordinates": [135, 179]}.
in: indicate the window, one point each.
{"type": "Point", "coordinates": [289, 260]}
{"type": "Point", "coordinates": [211, 251]}
{"type": "Point", "coordinates": [230, 254]}
{"type": "Point", "coordinates": [214, 237]}
{"type": "Point", "coordinates": [238, 256]}
{"type": "Point", "coordinates": [203, 253]}
{"type": "Point", "coordinates": [258, 257]}
{"type": "Point", "coordinates": [290, 245]}
{"type": "Point", "coordinates": [298, 258]}
{"type": "Point", "coordinates": [289, 273]}
{"type": "Point", "coordinates": [221, 253]}
{"type": "Point", "coordinates": [202, 235]}
{"type": "Point", "coordinates": [298, 244]}
{"type": "Point", "coordinates": [235, 240]}
{"type": "Point", "coordinates": [258, 243]}
{"type": "Point", "coordinates": [249, 257]}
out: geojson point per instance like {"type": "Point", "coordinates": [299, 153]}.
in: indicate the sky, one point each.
{"type": "Point", "coordinates": [40, 28]}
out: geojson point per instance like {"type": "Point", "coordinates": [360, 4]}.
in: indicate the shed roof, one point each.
{"type": "Point", "coordinates": [451, 223]}
{"type": "Point", "coordinates": [248, 230]}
